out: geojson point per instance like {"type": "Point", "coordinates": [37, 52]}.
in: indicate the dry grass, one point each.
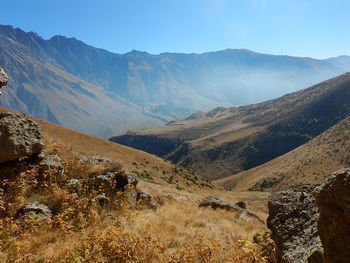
{"type": "Point", "coordinates": [81, 231]}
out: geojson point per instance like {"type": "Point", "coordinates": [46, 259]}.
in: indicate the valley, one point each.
{"type": "Point", "coordinates": [226, 141]}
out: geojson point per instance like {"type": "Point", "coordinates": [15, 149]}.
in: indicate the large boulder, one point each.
{"type": "Point", "coordinates": [34, 209]}
{"type": "Point", "coordinates": [19, 137]}
{"type": "Point", "coordinates": [3, 78]}
{"type": "Point", "coordinates": [293, 223]}
{"type": "Point", "coordinates": [214, 202]}
{"type": "Point", "coordinates": [333, 201]}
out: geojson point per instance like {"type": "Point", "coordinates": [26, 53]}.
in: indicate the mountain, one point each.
{"type": "Point", "coordinates": [226, 141]}
{"type": "Point", "coordinates": [341, 61]}
{"type": "Point", "coordinates": [308, 164]}
{"type": "Point", "coordinates": [68, 82]}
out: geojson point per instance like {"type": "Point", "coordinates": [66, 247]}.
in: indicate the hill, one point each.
{"type": "Point", "coordinates": [307, 164]}
{"type": "Point", "coordinates": [226, 141]}
{"type": "Point", "coordinates": [66, 81]}
{"type": "Point", "coordinates": [53, 209]}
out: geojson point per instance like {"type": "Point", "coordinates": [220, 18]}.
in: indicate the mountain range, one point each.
{"type": "Point", "coordinates": [68, 82]}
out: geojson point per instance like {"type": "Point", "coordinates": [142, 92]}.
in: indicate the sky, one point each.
{"type": "Point", "coordinates": [312, 28]}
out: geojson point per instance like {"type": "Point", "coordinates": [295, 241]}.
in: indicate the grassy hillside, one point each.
{"type": "Point", "coordinates": [81, 231]}
{"type": "Point", "coordinates": [309, 163]}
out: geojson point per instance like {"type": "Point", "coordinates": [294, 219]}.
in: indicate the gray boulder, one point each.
{"type": "Point", "coordinates": [19, 137]}
{"type": "Point", "coordinates": [333, 202]}
{"type": "Point", "coordinates": [34, 209]}
{"type": "Point", "coordinates": [293, 223]}
{"type": "Point", "coordinates": [214, 202]}
{"type": "Point", "coordinates": [3, 78]}
{"type": "Point", "coordinates": [95, 159]}
{"type": "Point", "coordinates": [51, 162]}
{"type": "Point", "coordinates": [145, 200]}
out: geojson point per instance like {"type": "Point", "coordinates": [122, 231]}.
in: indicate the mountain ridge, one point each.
{"type": "Point", "coordinates": [138, 89]}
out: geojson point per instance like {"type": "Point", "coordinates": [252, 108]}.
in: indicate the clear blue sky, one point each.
{"type": "Point", "coordinates": [315, 28]}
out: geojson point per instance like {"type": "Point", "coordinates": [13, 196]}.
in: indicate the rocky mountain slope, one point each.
{"type": "Point", "coordinates": [307, 164]}
{"type": "Point", "coordinates": [226, 141]}
{"type": "Point", "coordinates": [66, 81]}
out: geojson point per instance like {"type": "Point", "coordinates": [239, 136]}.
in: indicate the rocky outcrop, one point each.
{"type": "Point", "coordinates": [293, 223]}
{"type": "Point", "coordinates": [122, 180]}
{"type": "Point", "coordinates": [333, 201]}
{"type": "Point", "coordinates": [145, 199]}
{"type": "Point", "coordinates": [34, 209]}
{"type": "Point", "coordinates": [19, 137]}
{"type": "Point", "coordinates": [216, 203]}
{"type": "Point", "coordinates": [3, 78]}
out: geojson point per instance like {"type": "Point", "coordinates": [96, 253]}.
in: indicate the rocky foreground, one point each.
{"type": "Point", "coordinates": [312, 223]}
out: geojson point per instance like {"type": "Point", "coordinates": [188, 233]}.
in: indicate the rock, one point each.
{"type": "Point", "coordinates": [19, 137]}
{"type": "Point", "coordinates": [51, 162]}
{"type": "Point", "coordinates": [74, 186]}
{"type": "Point", "coordinates": [103, 184]}
{"type": "Point", "coordinates": [214, 202]}
{"type": "Point", "coordinates": [102, 200]}
{"type": "Point", "coordinates": [146, 200]}
{"type": "Point", "coordinates": [95, 159]}
{"type": "Point", "coordinates": [122, 180]}
{"type": "Point", "coordinates": [34, 209]}
{"type": "Point", "coordinates": [333, 201]}
{"type": "Point", "coordinates": [3, 78]}
{"type": "Point", "coordinates": [241, 204]}
{"type": "Point", "coordinates": [292, 220]}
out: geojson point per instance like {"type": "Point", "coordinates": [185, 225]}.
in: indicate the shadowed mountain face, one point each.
{"type": "Point", "coordinates": [63, 80]}
{"type": "Point", "coordinates": [226, 141]}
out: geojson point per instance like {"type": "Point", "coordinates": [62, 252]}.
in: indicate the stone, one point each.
{"type": "Point", "coordinates": [34, 209]}
{"type": "Point", "coordinates": [333, 202]}
{"type": "Point", "coordinates": [51, 162]}
{"type": "Point", "coordinates": [74, 186]}
{"type": "Point", "coordinates": [95, 159]}
{"type": "Point", "coordinates": [3, 78]}
{"type": "Point", "coordinates": [122, 180]}
{"type": "Point", "coordinates": [19, 137]}
{"type": "Point", "coordinates": [214, 202]}
{"type": "Point", "coordinates": [145, 200]}
{"type": "Point", "coordinates": [102, 184]}
{"type": "Point", "coordinates": [292, 220]}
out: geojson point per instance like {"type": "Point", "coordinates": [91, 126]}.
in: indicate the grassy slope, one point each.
{"type": "Point", "coordinates": [179, 231]}
{"type": "Point", "coordinates": [309, 163]}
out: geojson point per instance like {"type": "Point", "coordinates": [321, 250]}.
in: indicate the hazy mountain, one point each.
{"type": "Point", "coordinates": [341, 61]}
{"type": "Point", "coordinates": [226, 141]}
{"type": "Point", "coordinates": [69, 82]}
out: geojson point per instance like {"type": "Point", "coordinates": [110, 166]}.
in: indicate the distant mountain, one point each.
{"type": "Point", "coordinates": [341, 61]}
{"type": "Point", "coordinates": [71, 83]}
{"type": "Point", "coordinates": [310, 163]}
{"type": "Point", "coordinates": [226, 141]}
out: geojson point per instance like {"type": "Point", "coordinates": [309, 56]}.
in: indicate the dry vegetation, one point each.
{"type": "Point", "coordinates": [81, 231]}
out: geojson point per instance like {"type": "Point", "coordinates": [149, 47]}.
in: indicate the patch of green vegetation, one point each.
{"type": "Point", "coordinates": [169, 180]}
{"type": "Point", "coordinates": [179, 187]}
